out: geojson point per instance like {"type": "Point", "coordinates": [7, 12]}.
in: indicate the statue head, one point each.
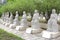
{"type": "Point", "coordinates": [24, 15]}
{"type": "Point", "coordinates": [16, 12]}
{"type": "Point", "coordinates": [24, 12]}
{"type": "Point", "coordinates": [53, 11]}
{"type": "Point", "coordinates": [36, 11]}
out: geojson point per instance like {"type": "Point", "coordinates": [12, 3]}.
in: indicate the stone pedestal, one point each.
{"type": "Point", "coordinates": [13, 26]}
{"type": "Point", "coordinates": [3, 23]}
{"type": "Point", "coordinates": [21, 28]}
{"type": "Point", "coordinates": [33, 31]}
{"type": "Point", "coordinates": [7, 24]}
{"type": "Point", "coordinates": [47, 34]}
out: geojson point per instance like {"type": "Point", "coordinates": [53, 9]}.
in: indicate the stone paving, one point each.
{"type": "Point", "coordinates": [24, 35]}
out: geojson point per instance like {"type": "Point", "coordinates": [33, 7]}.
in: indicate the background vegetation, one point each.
{"type": "Point", "coordinates": [30, 5]}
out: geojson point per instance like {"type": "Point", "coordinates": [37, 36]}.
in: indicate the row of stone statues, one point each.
{"type": "Point", "coordinates": [23, 24]}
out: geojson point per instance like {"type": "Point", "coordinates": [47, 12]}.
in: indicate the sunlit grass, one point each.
{"type": "Point", "coordinates": [8, 36]}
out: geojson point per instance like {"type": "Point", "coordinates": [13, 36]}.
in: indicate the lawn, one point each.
{"type": "Point", "coordinates": [8, 36]}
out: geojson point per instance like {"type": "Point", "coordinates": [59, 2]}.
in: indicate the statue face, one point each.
{"type": "Point", "coordinates": [53, 11]}
{"type": "Point", "coordinates": [24, 12]}
{"type": "Point", "coordinates": [36, 11]}
{"type": "Point", "coordinates": [16, 11]}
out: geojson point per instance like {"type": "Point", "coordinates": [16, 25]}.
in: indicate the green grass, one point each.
{"type": "Point", "coordinates": [8, 36]}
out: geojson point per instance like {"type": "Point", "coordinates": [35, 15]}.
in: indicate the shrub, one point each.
{"type": "Point", "coordinates": [30, 5]}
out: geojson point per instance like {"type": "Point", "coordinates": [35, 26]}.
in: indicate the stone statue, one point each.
{"type": "Point", "coordinates": [24, 15]}
{"type": "Point", "coordinates": [16, 14]}
{"type": "Point", "coordinates": [35, 25]}
{"type": "Point", "coordinates": [6, 18]}
{"type": "Point", "coordinates": [52, 24]}
{"type": "Point", "coordinates": [2, 17]}
{"type": "Point", "coordinates": [54, 13]}
{"type": "Point", "coordinates": [15, 21]}
{"type": "Point", "coordinates": [36, 15]}
{"type": "Point", "coordinates": [23, 23]}
{"type": "Point", "coordinates": [41, 15]}
{"type": "Point", "coordinates": [11, 18]}
{"type": "Point", "coordinates": [52, 29]}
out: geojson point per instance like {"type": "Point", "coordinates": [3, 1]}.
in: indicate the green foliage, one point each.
{"type": "Point", "coordinates": [30, 5]}
{"type": "Point", "coordinates": [8, 36]}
